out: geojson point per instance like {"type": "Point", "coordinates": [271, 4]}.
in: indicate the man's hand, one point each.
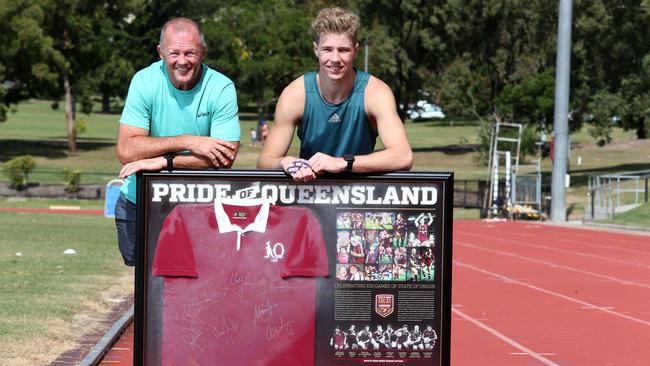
{"type": "Point", "coordinates": [152, 164]}
{"type": "Point", "coordinates": [298, 169]}
{"type": "Point", "coordinates": [221, 153]}
{"type": "Point", "coordinates": [323, 163]}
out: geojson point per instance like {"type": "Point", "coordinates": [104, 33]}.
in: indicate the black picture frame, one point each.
{"type": "Point", "coordinates": [150, 215]}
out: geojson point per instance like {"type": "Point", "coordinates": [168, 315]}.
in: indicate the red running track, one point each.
{"type": "Point", "coordinates": [535, 294]}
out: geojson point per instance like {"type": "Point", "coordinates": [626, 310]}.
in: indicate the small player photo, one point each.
{"type": "Point", "coordinates": [400, 235]}
{"type": "Point", "coordinates": [351, 338]}
{"type": "Point", "coordinates": [356, 272]}
{"type": "Point", "coordinates": [343, 221]}
{"type": "Point", "coordinates": [343, 246]}
{"type": "Point", "coordinates": [378, 338]}
{"type": "Point", "coordinates": [388, 338]}
{"type": "Point", "coordinates": [342, 272]}
{"type": "Point", "coordinates": [427, 264]}
{"type": "Point", "coordinates": [412, 240]}
{"type": "Point", "coordinates": [429, 337]}
{"type": "Point", "coordinates": [364, 338]}
{"type": "Point", "coordinates": [379, 220]}
{"type": "Point", "coordinates": [357, 247]}
{"type": "Point", "coordinates": [357, 220]}
{"type": "Point", "coordinates": [399, 273]}
{"type": "Point", "coordinates": [372, 255]}
{"type": "Point", "coordinates": [338, 339]}
{"type": "Point", "coordinates": [385, 238]}
{"type": "Point", "coordinates": [350, 272]}
{"type": "Point", "coordinates": [371, 221]}
{"type": "Point", "coordinates": [343, 255]}
{"type": "Point", "coordinates": [372, 238]}
{"type": "Point", "coordinates": [370, 273]}
{"type": "Point", "coordinates": [423, 225]}
{"type": "Point", "coordinates": [415, 339]}
{"type": "Point", "coordinates": [385, 255]}
{"type": "Point", "coordinates": [384, 272]}
{"type": "Point", "coordinates": [386, 220]}
{"type": "Point", "coordinates": [400, 257]}
{"type": "Point", "coordinates": [401, 338]}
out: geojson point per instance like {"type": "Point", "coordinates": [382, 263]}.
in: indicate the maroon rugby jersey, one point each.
{"type": "Point", "coordinates": [237, 286]}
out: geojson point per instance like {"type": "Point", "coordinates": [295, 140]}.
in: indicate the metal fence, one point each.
{"type": "Point", "coordinates": [469, 193]}
{"type": "Point", "coordinates": [610, 194]}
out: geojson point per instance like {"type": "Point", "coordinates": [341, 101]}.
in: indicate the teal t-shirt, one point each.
{"type": "Point", "coordinates": [335, 129]}
{"type": "Point", "coordinates": [153, 103]}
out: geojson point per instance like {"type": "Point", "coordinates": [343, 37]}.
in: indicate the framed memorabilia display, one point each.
{"type": "Point", "coordinates": [247, 267]}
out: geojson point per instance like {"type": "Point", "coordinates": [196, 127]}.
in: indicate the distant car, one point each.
{"type": "Point", "coordinates": [425, 110]}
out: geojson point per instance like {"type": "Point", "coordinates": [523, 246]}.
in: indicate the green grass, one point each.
{"type": "Point", "coordinates": [438, 146]}
{"type": "Point", "coordinates": [19, 202]}
{"type": "Point", "coordinates": [43, 289]}
{"type": "Point", "coordinates": [639, 217]}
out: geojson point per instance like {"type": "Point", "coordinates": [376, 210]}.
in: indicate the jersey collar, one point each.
{"type": "Point", "coordinates": [225, 226]}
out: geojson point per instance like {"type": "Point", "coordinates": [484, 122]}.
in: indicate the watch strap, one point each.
{"type": "Point", "coordinates": [170, 161]}
{"type": "Point", "coordinates": [349, 158]}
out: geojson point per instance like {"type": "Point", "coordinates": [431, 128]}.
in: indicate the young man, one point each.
{"type": "Point", "coordinates": [179, 113]}
{"type": "Point", "coordinates": [338, 110]}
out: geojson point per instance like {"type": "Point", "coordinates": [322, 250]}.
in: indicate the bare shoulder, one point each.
{"type": "Point", "coordinates": [376, 87]}
{"type": "Point", "coordinates": [379, 98]}
{"type": "Point", "coordinates": [295, 90]}
{"type": "Point", "coordinates": [291, 103]}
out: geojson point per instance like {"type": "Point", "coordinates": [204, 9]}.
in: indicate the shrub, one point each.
{"type": "Point", "coordinates": [71, 179]}
{"type": "Point", "coordinates": [80, 126]}
{"type": "Point", "coordinates": [18, 169]}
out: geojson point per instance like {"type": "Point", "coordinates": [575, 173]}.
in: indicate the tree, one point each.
{"type": "Point", "coordinates": [56, 46]}
{"type": "Point", "coordinates": [531, 101]}
{"type": "Point", "coordinates": [407, 43]}
{"type": "Point", "coordinates": [261, 46]}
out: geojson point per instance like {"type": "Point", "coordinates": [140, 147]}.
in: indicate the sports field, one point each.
{"type": "Point", "coordinates": [535, 294]}
{"type": "Point", "coordinates": [526, 293]}
{"type": "Point", "coordinates": [52, 298]}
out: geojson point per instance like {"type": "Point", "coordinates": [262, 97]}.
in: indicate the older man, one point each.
{"type": "Point", "coordinates": [179, 113]}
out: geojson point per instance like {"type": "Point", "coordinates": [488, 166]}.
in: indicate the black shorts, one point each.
{"type": "Point", "coordinates": [125, 223]}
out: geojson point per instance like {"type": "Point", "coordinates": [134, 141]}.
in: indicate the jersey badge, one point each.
{"type": "Point", "coordinates": [274, 252]}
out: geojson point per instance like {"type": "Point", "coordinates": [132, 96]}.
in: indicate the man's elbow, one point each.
{"type": "Point", "coordinates": [263, 162]}
{"type": "Point", "coordinates": [405, 160]}
{"type": "Point", "coordinates": [124, 156]}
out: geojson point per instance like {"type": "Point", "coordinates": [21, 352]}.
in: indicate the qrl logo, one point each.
{"type": "Point", "coordinates": [384, 304]}
{"type": "Point", "coordinates": [275, 252]}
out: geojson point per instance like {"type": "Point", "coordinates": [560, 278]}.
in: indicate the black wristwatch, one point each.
{"type": "Point", "coordinates": [350, 159]}
{"type": "Point", "coordinates": [170, 161]}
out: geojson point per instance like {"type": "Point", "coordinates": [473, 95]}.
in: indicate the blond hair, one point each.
{"type": "Point", "coordinates": [337, 21]}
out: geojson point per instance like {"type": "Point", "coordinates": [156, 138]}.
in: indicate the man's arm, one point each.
{"type": "Point", "coordinates": [382, 112]}
{"type": "Point", "coordinates": [288, 113]}
{"type": "Point", "coordinates": [139, 151]}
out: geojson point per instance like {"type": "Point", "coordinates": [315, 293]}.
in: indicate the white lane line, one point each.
{"type": "Point", "coordinates": [590, 244]}
{"type": "Point", "coordinates": [519, 242]}
{"type": "Point", "coordinates": [503, 337]}
{"type": "Point", "coordinates": [554, 265]}
{"type": "Point", "coordinates": [604, 309]}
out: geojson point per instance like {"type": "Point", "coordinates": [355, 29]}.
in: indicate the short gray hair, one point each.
{"type": "Point", "coordinates": [182, 25]}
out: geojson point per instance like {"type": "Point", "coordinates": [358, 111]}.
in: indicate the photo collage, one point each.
{"type": "Point", "coordinates": [385, 246]}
